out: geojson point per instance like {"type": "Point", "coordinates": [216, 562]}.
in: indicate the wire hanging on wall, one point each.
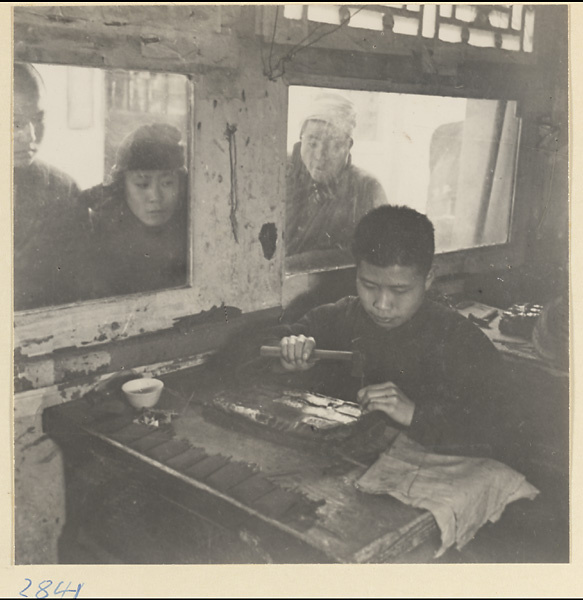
{"type": "Point", "coordinates": [274, 72]}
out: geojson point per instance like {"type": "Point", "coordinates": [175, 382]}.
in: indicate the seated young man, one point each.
{"type": "Point", "coordinates": [429, 370]}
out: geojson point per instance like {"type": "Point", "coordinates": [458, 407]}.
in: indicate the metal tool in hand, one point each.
{"type": "Point", "coordinates": [484, 321]}
{"type": "Point", "coordinates": [355, 358]}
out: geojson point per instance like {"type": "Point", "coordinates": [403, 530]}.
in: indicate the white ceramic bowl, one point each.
{"type": "Point", "coordinates": [144, 392]}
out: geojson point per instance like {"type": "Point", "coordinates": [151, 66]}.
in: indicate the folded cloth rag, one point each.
{"type": "Point", "coordinates": [461, 493]}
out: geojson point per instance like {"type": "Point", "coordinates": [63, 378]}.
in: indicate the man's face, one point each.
{"type": "Point", "coordinates": [324, 150]}
{"type": "Point", "coordinates": [152, 196]}
{"type": "Point", "coordinates": [391, 295]}
{"type": "Point", "coordinates": [28, 126]}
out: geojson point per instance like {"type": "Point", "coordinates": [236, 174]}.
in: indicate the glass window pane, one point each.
{"type": "Point", "coordinates": [450, 158]}
{"type": "Point", "coordinates": [324, 14]}
{"type": "Point", "coordinates": [445, 10]}
{"type": "Point", "coordinates": [481, 38]}
{"type": "Point", "coordinates": [466, 13]}
{"type": "Point", "coordinates": [450, 33]}
{"type": "Point", "coordinates": [517, 17]}
{"type": "Point", "coordinates": [101, 183]}
{"type": "Point", "coordinates": [528, 30]}
{"type": "Point", "coordinates": [366, 19]}
{"type": "Point", "coordinates": [499, 19]}
{"type": "Point", "coordinates": [405, 25]}
{"type": "Point", "coordinates": [510, 42]}
{"type": "Point", "coordinates": [293, 11]}
{"type": "Point", "coordinates": [429, 16]}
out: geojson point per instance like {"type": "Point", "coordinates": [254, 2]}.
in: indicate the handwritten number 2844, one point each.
{"type": "Point", "coordinates": [44, 586]}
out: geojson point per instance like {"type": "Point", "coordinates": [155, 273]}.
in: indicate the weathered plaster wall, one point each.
{"type": "Point", "coordinates": [39, 493]}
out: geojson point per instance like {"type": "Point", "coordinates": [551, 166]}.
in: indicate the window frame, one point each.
{"type": "Point", "coordinates": [42, 330]}
{"type": "Point", "coordinates": [458, 263]}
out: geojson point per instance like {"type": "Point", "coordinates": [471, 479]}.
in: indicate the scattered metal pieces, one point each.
{"type": "Point", "coordinates": [155, 418]}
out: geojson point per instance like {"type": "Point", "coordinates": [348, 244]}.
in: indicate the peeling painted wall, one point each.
{"type": "Point", "coordinates": [39, 493]}
{"type": "Point", "coordinates": [239, 202]}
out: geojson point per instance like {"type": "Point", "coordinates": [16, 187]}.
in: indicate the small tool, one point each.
{"type": "Point", "coordinates": [484, 321]}
{"type": "Point", "coordinates": [316, 353]}
{"type": "Point", "coordinates": [355, 358]}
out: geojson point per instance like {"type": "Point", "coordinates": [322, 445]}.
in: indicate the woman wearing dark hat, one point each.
{"type": "Point", "coordinates": [138, 222]}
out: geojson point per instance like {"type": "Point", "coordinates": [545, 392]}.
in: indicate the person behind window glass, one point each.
{"type": "Point", "coordinates": [326, 194]}
{"type": "Point", "coordinates": [444, 170]}
{"type": "Point", "coordinates": [139, 221]}
{"type": "Point", "coordinates": [46, 216]}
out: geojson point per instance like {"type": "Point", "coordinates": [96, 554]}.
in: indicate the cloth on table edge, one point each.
{"type": "Point", "coordinates": [462, 493]}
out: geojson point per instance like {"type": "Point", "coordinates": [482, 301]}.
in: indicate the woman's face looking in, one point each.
{"type": "Point", "coordinates": [152, 196]}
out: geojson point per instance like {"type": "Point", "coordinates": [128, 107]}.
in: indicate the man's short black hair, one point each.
{"type": "Point", "coordinates": [395, 235]}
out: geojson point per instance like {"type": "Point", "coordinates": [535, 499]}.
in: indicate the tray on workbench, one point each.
{"type": "Point", "coordinates": [298, 418]}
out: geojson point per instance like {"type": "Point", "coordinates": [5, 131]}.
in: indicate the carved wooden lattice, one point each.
{"type": "Point", "coordinates": [503, 26]}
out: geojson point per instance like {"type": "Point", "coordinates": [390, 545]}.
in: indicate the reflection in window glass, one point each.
{"type": "Point", "coordinates": [450, 158]}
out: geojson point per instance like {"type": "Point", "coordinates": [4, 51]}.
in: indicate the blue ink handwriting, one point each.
{"type": "Point", "coordinates": [42, 590]}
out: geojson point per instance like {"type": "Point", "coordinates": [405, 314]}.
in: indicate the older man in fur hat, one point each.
{"type": "Point", "coordinates": [326, 194]}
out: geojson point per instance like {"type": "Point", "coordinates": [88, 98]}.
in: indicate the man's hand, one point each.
{"type": "Point", "coordinates": [388, 398]}
{"type": "Point", "coordinates": [296, 352]}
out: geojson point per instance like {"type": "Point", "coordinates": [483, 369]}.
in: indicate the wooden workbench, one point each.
{"type": "Point", "coordinates": [194, 491]}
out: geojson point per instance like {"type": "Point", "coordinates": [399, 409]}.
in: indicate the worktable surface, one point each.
{"type": "Point", "coordinates": [510, 346]}
{"type": "Point", "coordinates": [292, 496]}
